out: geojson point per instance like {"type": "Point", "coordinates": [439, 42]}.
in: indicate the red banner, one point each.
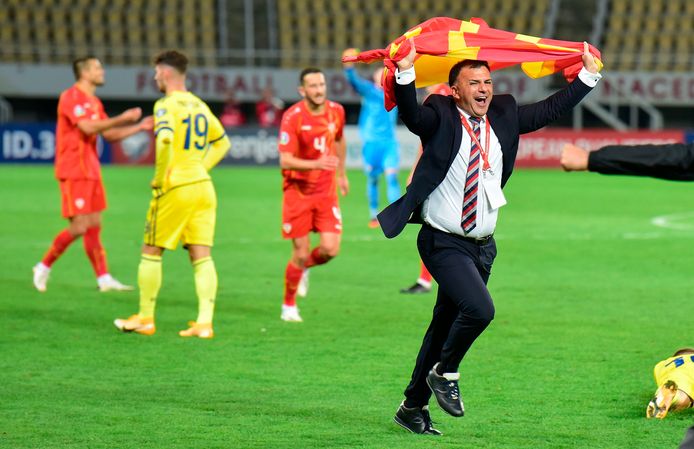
{"type": "Point", "coordinates": [543, 148]}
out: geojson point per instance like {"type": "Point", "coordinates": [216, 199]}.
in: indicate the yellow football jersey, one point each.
{"type": "Point", "coordinates": [190, 140]}
{"type": "Point", "coordinates": [679, 369]}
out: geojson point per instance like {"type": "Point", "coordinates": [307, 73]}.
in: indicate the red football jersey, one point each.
{"type": "Point", "coordinates": [76, 155]}
{"type": "Point", "coordinates": [309, 136]}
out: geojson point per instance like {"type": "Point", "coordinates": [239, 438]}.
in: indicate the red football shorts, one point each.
{"type": "Point", "coordinates": [82, 196]}
{"type": "Point", "coordinates": [302, 214]}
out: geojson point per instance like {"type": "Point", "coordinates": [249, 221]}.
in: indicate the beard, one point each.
{"type": "Point", "coordinates": [316, 101]}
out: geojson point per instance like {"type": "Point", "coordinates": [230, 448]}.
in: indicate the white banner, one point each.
{"type": "Point", "coordinates": [660, 89]}
{"type": "Point", "coordinates": [137, 83]}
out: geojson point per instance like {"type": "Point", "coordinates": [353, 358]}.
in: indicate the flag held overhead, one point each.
{"type": "Point", "coordinates": [441, 42]}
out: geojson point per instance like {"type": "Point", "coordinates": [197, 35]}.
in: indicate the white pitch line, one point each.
{"type": "Point", "coordinates": [683, 221]}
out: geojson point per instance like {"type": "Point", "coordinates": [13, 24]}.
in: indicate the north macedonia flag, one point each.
{"type": "Point", "coordinates": [442, 41]}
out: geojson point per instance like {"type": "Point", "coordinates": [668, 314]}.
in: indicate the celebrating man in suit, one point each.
{"type": "Point", "coordinates": [470, 141]}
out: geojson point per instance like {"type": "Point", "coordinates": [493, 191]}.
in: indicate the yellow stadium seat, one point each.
{"type": "Point", "coordinates": [353, 5]}
{"type": "Point", "coordinates": [6, 42]}
{"type": "Point", "coordinates": [626, 62]}
{"type": "Point", "coordinates": [655, 7]}
{"type": "Point", "coordinates": [629, 42]}
{"type": "Point", "coordinates": [520, 24]}
{"type": "Point", "coordinates": [619, 7]}
{"type": "Point", "coordinates": [616, 22]}
{"type": "Point", "coordinates": [653, 26]}
{"type": "Point", "coordinates": [358, 31]}
{"type": "Point", "coordinates": [673, 7]}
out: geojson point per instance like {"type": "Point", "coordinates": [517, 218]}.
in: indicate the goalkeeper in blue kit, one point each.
{"type": "Point", "coordinates": [377, 131]}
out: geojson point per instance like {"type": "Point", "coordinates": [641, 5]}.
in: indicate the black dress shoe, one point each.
{"type": "Point", "coordinates": [416, 420]}
{"type": "Point", "coordinates": [429, 429]}
{"type": "Point", "coordinates": [416, 288]}
{"type": "Point", "coordinates": [445, 388]}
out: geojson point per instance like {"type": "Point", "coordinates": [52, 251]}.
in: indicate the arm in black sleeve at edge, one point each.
{"type": "Point", "coordinates": [672, 161]}
{"type": "Point", "coordinates": [420, 120]}
{"type": "Point", "coordinates": [534, 116]}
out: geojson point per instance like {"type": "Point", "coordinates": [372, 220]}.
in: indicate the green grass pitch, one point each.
{"type": "Point", "coordinates": [589, 293]}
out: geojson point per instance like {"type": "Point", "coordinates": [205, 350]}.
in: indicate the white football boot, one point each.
{"type": "Point", "coordinates": [41, 275]}
{"type": "Point", "coordinates": [291, 314]}
{"type": "Point", "coordinates": [302, 288]}
{"type": "Point", "coordinates": [108, 283]}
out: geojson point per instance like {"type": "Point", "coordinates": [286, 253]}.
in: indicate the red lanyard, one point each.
{"type": "Point", "coordinates": [484, 151]}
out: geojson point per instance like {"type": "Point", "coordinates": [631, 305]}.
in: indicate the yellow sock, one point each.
{"type": "Point", "coordinates": [149, 282]}
{"type": "Point", "coordinates": [206, 288]}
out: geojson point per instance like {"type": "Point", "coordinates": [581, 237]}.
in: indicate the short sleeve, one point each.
{"type": "Point", "coordinates": [288, 138]}
{"type": "Point", "coordinates": [163, 119]}
{"type": "Point", "coordinates": [341, 127]}
{"type": "Point", "coordinates": [216, 131]}
{"type": "Point", "coordinates": [71, 109]}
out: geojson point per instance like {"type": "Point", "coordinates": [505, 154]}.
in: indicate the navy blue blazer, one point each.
{"type": "Point", "coordinates": [437, 123]}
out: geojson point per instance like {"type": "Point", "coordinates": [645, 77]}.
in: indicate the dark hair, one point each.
{"type": "Point", "coordinates": [308, 71]}
{"type": "Point", "coordinates": [472, 63]}
{"type": "Point", "coordinates": [173, 58]}
{"type": "Point", "coordinates": [80, 63]}
{"type": "Point", "coordinates": [683, 351]}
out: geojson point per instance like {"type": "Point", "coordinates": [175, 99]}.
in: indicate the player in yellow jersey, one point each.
{"type": "Point", "coordinates": [675, 379]}
{"type": "Point", "coordinates": [190, 140]}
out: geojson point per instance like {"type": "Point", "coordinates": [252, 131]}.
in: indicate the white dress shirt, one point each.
{"type": "Point", "coordinates": [443, 208]}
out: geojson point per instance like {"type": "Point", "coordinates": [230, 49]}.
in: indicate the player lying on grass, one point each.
{"type": "Point", "coordinates": [675, 379]}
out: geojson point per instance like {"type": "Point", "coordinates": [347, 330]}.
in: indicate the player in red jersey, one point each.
{"type": "Point", "coordinates": [81, 117]}
{"type": "Point", "coordinates": [423, 282]}
{"type": "Point", "coordinates": [312, 157]}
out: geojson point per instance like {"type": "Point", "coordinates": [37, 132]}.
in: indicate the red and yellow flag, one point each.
{"type": "Point", "coordinates": [441, 42]}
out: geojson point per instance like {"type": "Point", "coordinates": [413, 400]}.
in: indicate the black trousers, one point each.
{"type": "Point", "coordinates": [463, 307]}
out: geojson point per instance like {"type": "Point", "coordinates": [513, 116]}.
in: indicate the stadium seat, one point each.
{"type": "Point", "coordinates": [131, 28]}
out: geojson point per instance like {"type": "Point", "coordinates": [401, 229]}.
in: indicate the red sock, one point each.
{"type": "Point", "coordinates": [58, 247]}
{"type": "Point", "coordinates": [424, 273]}
{"type": "Point", "coordinates": [316, 259]}
{"type": "Point", "coordinates": [95, 251]}
{"type": "Point", "coordinates": [292, 276]}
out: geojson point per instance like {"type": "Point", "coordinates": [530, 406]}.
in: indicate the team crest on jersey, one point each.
{"type": "Point", "coordinates": [287, 228]}
{"type": "Point", "coordinates": [79, 110]}
{"type": "Point", "coordinates": [160, 112]}
{"type": "Point", "coordinates": [284, 138]}
{"type": "Point", "coordinates": [337, 213]}
{"type": "Point", "coordinates": [331, 127]}
{"type": "Point", "coordinates": [79, 203]}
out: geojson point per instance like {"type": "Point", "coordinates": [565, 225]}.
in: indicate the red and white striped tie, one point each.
{"type": "Point", "coordinates": [469, 218]}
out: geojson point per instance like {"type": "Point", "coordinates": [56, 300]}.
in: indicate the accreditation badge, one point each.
{"type": "Point", "coordinates": [492, 189]}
